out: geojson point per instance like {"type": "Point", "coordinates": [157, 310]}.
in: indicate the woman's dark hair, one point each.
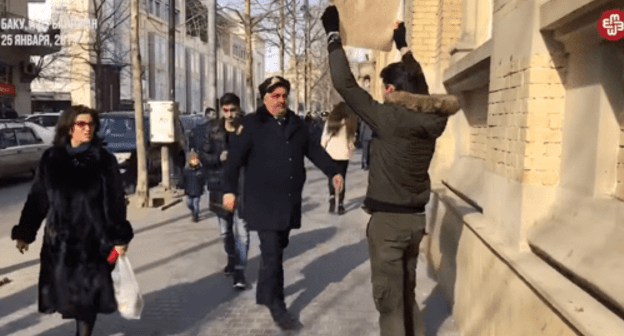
{"type": "Point", "coordinates": [334, 120]}
{"type": "Point", "coordinates": [229, 98]}
{"type": "Point", "coordinates": [66, 121]}
{"type": "Point", "coordinates": [403, 79]}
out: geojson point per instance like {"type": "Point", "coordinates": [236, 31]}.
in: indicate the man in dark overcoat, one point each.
{"type": "Point", "coordinates": [405, 128]}
{"type": "Point", "coordinates": [271, 149]}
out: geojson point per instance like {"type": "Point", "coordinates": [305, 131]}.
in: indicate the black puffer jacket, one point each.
{"type": "Point", "coordinates": [193, 181]}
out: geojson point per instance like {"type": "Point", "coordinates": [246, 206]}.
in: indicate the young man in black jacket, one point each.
{"type": "Point", "coordinates": [271, 148]}
{"type": "Point", "coordinates": [218, 136]}
{"type": "Point", "coordinates": [405, 129]}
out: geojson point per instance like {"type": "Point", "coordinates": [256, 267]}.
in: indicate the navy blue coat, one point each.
{"type": "Point", "coordinates": [193, 181]}
{"type": "Point", "coordinates": [273, 158]}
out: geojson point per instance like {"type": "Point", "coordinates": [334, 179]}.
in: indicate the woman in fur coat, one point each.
{"type": "Point", "coordinates": [338, 139]}
{"type": "Point", "coordinates": [78, 191]}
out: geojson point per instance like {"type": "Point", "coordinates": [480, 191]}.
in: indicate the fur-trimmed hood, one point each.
{"type": "Point", "coordinates": [435, 103]}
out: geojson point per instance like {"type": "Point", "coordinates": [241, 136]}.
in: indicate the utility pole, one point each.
{"type": "Point", "coordinates": [212, 55]}
{"type": "Point", "coordinates": [307, 57]}
{"type": "Point", "coordinates": [165, 155]}
{"type": "Point", "coordinates": [142, 189]}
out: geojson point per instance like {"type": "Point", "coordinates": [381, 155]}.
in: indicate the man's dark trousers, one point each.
{"type": "Point", "coordinates": [393, 241]}
{"type": "Point", "coordinates": [270, 289]}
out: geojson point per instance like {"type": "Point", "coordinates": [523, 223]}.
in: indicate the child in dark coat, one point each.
{"type": "Point", "coordinates": [193, 181]}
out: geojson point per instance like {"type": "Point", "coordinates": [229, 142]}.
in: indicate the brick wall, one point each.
{"type": "Point", "coordinates": [524, 120]}
{"type": "Point", "coordinates": [449, 29]}
{"type": "Point", "coordinates": [478, 141]}
{"type": "Point", "coordinates": [424, 31]}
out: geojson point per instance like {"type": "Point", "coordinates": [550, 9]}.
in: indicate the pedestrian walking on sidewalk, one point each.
{"type": "Point", "coordinates": [366, 135]}
{"type": "Point", "coordinates": [405, 129]}
{"type": "Point", "coordinates": [78, 190]}
{"type": "Point", "coordinates": [339, 141]}
{"type": "Point", "coordinates": [214, 152]}
{"type": "Point", "coordinates": [271, 149]}
{"type": "Point", "coordinates": [193, 182]}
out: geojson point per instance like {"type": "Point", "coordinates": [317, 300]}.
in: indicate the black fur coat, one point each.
{"type": "Point", "coordinates": [81, 197]}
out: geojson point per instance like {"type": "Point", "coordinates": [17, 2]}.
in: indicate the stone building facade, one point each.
{"type": "Point", "coordinates": [526, 215]}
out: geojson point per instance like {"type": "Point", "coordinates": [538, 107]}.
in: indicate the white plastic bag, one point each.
{"type": "Point", "coordinates": [129, 299]}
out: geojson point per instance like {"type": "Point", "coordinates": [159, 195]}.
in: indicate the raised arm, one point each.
{"type": "Point", "coordinates": [356, 97]}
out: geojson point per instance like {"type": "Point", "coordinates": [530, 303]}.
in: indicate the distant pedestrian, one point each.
{"type": "Point", "coordinates": [193, 182]}
{"type": "Point", "coordinates": [405, 128]}
{"type": "Point", "coordinates": [78, 190]}
{"type": "Point", "coordinates": [214, 152]}
{"type": "Point", "coordinates": [366, 136]}
{"type": "Point", "coordinates": [271, 149]}
{"type": "Point", "coordinates": [210, 114]}
{"type": "Point", "coordinates": [339, 141]}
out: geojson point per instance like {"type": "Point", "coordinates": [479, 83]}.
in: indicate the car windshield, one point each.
{"type": "Point", "coordinates": [117, 127]}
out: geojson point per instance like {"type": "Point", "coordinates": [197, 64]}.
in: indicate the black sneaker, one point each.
{"type": "Point", "coordinates": [332, 205]}
{"type": "Point", "coordinates": [229, 269]}
{"type": "Point", "coordinates": [341, 209]}
{"type": "Point", "coordinates": [239, 280]}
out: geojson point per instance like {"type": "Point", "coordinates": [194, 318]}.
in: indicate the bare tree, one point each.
{"type": "Point", "coordinates": [142, 191]}
{"type": "Point", "coordinates": [100, 46]}
{"type": "Point", "coordinates": [253, 14]}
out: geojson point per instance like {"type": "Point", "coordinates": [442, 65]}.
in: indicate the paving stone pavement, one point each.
{"type": "Point", "coordinates": [179, 266]}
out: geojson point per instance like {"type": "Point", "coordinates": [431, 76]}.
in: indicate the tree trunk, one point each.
{"type": "Point", "coordinates": [142, 190]}
{"type": "Point", "coordinates": [251, 102]}
{"type": "Point", "coordinates": [212, 55]}
{"type": "Point", "coordinates": [282, 36]}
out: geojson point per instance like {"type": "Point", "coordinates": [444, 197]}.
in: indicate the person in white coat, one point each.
{"type": "Point", "coordinates": [338, 139]}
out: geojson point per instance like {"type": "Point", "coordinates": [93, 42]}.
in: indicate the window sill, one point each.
{"type": "Point", "coordinates": [565, 16]}
{"type": "Point", "coordinates": [471, 71]}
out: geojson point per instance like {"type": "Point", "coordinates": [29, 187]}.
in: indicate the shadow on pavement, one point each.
{"type": "Point", "coordinates": [176, 309]}
{"type": "Point", "coordinates": [354, 203]}
{"type": "Point", "coordinates": [330, 268]}
{"type": "Point", "coordinates": [11, 181]}
{"type": "Point", "coordinates": [436, 311]}
{"type": "Point", "coordinates": [19, 266]}
{"type": "Point", "coordinates": [205, 214]}
{"type": "Point", "coordinates": [307, 207]}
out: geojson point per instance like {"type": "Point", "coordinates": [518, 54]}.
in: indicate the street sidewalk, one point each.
{"type": "Point", "coordinates": [179, 266]}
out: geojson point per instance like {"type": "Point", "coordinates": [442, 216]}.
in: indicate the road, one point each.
{"type": "Point", "coordinates": [13, 193]}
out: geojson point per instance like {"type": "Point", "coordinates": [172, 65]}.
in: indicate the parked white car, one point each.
{"type": "Point", "coordinates": [20, 148]}
{"type": "Point", "coordinates": [45, 119]}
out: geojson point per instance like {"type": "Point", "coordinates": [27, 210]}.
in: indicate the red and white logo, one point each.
{"type": "Point", "coordinates": [611, 25]}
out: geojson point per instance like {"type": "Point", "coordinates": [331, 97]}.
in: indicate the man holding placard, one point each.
{"type": "Point", "coordinates": [405, 129]}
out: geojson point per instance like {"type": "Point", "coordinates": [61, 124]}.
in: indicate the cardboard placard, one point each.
{"type": "Point", "coordinates": [368, 23]}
